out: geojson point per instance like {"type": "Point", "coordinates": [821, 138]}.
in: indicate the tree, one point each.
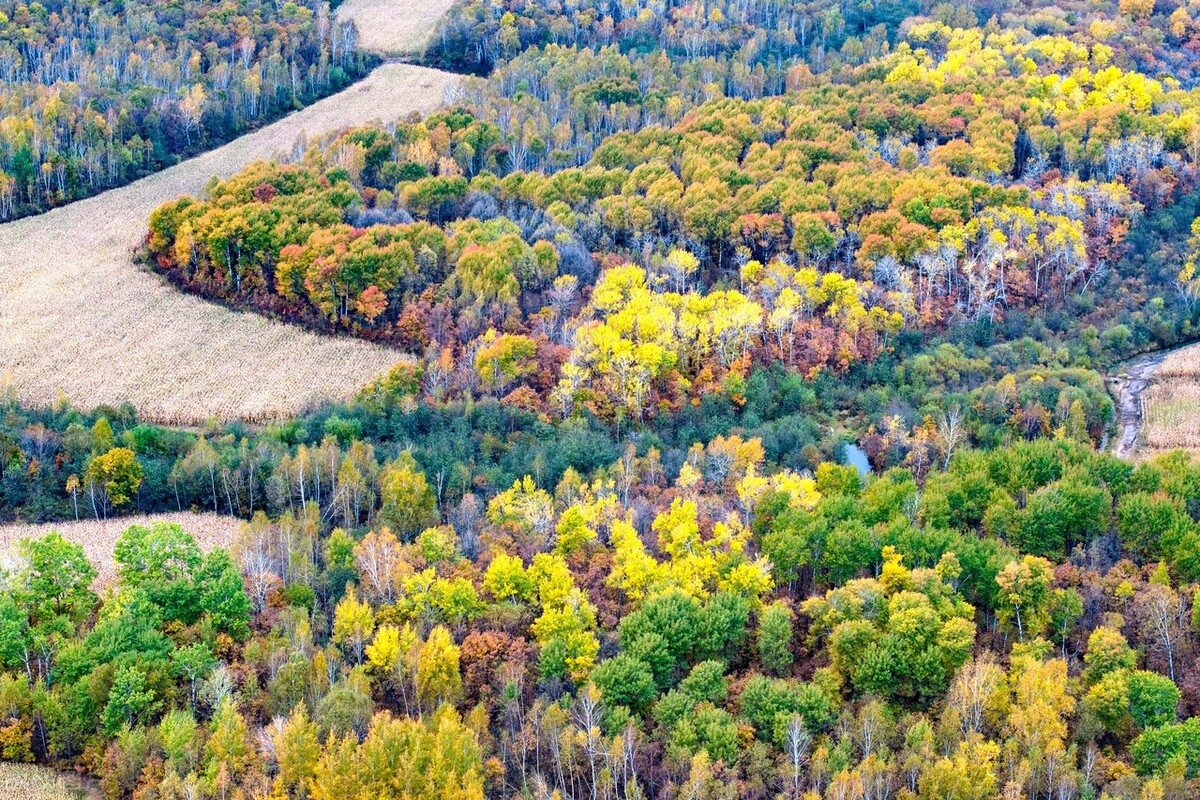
{"type": "Point", "coordinates": [177, 730]}
{"type": "Point", "coordinates": [674, 616]}
{"type": "Point", "coordinates": [297, 752]}
{"type": "Point", "coordinates": [573, 531]}
{"type": "Point", "coordinates": [1107, 652]}
{"type": "Point", "coordinates": [223, 595]}
{"type": "Point", "coordinates": [194, 663]}
{"type": "Point", "coordinates": [503, 359]}
{"type": "Point", "coordinates": [381, 566]}
{"type": "Point", "coordinates": [913, 650]}
{"type": "Point", "coordinates": [1163, 614]}
{"type": "Point", "coordinates": [1066, 607]}
{"type": "Point", "coordinates": [56, 578]}
{"type": "Point", "coordinates": [103, 439]}
{"type": "Point", "coordinates": [228, 748]}
{"type": "Point", "coordinates": [1153, 699]}
{"type": "Point", "coordinates": [625, 681]}
{"type": "Point", "coordinates": [506, 578]}
{"type": "Point", "coordinates": [433, 758]}
{"type": "Point", "coordinates": [775, 638]}
{"type": "Point", "coordinates": [1157, 748]}
{"type": "Point", "coordinates": [129, 699]}
{"type": "Point", "coordinates": [353, 624]}
{"type": "Point", "coordinates": [113, 480]}
{"type": "Point", "coordinates": [976, 692]}
{"type": "Point", "coordinates": [164, 560]}
{"type": "Point", "coordinates": [408, 504]}
{"type": "Point", "coordinates": [438, 677]}
{"type": "Point", "coordinates": [1023, 600]}
{"type": "Point", "coordinates": [564, 631]}
{"type": "Point", "coordinates": [969, 774]}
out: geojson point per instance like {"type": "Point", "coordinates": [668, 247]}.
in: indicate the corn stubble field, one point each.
{"type": "Point", "coordinates": [80, 320]}
{"type": "Point", "coordinates": [31, 782]}
{"type": "Point", "coordinates": [394, 27]}
{"type": "Point", "coordinates": [98, 538]}
{"type": "Point", "coordinates": [1172, 405]}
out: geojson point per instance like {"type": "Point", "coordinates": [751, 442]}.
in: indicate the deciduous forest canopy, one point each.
{"type": "Point", "coordinates": [749, 435]}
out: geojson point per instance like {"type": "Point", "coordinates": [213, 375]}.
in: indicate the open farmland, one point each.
{"type": "Point", "coordinates": [1172, 405]}
{"type": "Point", "coordinates": [31, 782]}
{"type": "Point", "coordinates": [98, 537]}
{"type": "Point", "coordinates": [79, 319]}
{"type": "Point", "coordinates": [394, 27]}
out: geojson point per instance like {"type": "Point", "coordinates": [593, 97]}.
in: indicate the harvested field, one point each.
{"type": "Point", "coordinates": [1172, 405]}
{"type": "Point", "coordinates": [97, 538]}
{"type": "Point", "coordinates": [392, 27]}
{"type": "Point", "coordinates": [78, 318]}
{"type": "Point", "coordinates": [31, 782]}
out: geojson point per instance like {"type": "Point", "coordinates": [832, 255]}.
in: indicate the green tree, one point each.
{"type": "Point", "coordinates": [56, 579]}
{"type": "Point", "coordinates": [129, 700]}
{"type": "Point", "coordinates": [1157, 748]}
{"type": "Point", "coordinates": [625, 681]}
{"type": "Point", "coordinates": [775, 638]}
{"type": "Point", "coordinates": [164, 560]}
{"type": "Point", "coordinates": [408, 504]}
{"type": "Point", "coordinates": [223, 595]}
{"type": "Point", "coordinates": [193, 663]}
{"type": "Point", "coordinates": [1153, 699]}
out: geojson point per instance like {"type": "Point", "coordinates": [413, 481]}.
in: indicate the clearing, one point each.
{"type": "Point", "coordinates": [98, 538]}
{"type": "Point", "coordinates": [79, 319]}
{"type": "Point", "coordinates": [394, 27]}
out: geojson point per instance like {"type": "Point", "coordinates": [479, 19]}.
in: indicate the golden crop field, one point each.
{"type": "Point", "coordinates": [98, 538]}
{"type": "Point", "coordinates": [80, 320]}
{"type": "Point", "coordinates": [1172, 405]}
{"type": "Point", "coordinates": [31, 782]}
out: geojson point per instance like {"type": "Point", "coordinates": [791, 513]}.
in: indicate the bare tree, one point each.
{"type": "Point", "coordinates": [1164, 617]}
{"type": "Point", "coordinates": [950, 433]}
{"type": "Point", "coordinates": [796, 747]}
{"type": "Point", "coordinates": [971, 691]}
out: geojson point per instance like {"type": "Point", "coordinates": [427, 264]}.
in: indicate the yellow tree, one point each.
{"type": "Point", "coordinates": [438, 678]}
{"type": "Point", "coordinates": [353, 624]}
{"type": "Point", "coordinates": [296, 752]}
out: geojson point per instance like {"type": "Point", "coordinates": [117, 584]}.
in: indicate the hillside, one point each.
{"type": "Point", "coordinates": [737, 400]}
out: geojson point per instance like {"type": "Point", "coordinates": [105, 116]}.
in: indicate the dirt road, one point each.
{"type": "Point", "coordinates": [1131, 412]}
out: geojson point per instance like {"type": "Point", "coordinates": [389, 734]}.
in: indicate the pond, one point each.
{"type": "Point", "coordinates": [856, 457]}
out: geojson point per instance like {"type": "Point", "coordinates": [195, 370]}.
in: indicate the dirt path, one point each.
{"type": "Point", "coordinates": [79, 320]}
{"type": "Point", "coordinates": [1129, 387]}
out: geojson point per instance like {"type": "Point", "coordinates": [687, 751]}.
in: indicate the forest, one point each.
{"type": "Point", "coordinates": [96, 93]}
{"type": "Point", "coordinates": [750, 434]}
